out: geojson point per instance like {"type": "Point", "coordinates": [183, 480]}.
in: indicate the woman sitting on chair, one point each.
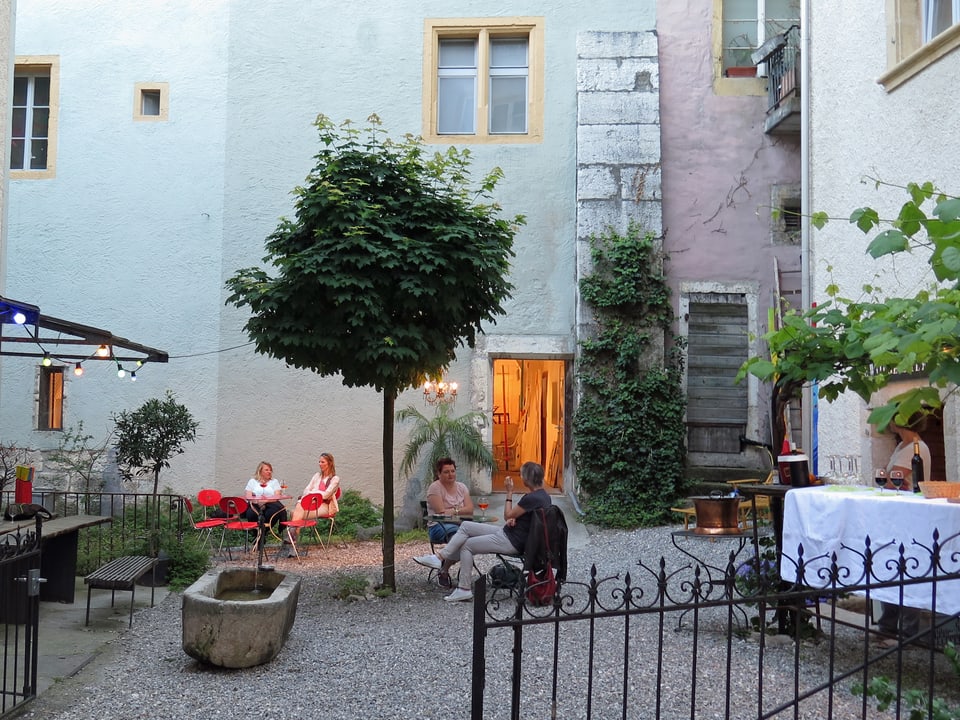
{"type": "Point", "coordinates": [327, 483]}
{"type": "Point", "coordinates": [264, 485]}
{"type": "Point", "coordinates": [479, 538]}
{"type": "Point", "coordinates": [446, 496]}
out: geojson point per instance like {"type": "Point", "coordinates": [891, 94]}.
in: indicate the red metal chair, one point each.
{"type": "Point", "coordinates": [203, 527]}
{"type": "Point", "coordinates": [311, 503]}
{"type": "Point", "coordinates": [235, 507]}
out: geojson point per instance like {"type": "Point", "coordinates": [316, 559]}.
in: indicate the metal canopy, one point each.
{"type": "Point", "coordinates": [38, 335]}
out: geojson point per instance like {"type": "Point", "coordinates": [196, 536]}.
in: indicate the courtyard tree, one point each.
{"type": "Point", "coordinates": [396, 254]}
{"type": "Point", "coordinates": [861, 344]}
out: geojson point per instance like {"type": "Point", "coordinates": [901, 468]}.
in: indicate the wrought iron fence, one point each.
{"type": "Point", "coordinates": [699, 641]}
{"type": "Point", "coordinates": [19, 616]}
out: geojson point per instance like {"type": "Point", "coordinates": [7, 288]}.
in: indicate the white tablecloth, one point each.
{"type": "Point", "coordinates": [824, 519]}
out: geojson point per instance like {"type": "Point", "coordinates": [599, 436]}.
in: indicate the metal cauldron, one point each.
{"type": "Point", "coordinates": [717, 514]}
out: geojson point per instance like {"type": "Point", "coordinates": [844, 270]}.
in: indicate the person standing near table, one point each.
{"type": "Point", "coordinates": [480, 538]}
{"type": "Point", "coordinates": [326, 482]}
{"type": "Point", "coordinates": [261, 485]}
{"type": "Point", "coordinates": [894, 618]}
{"type": "Point", "coordinates": [903, 453]}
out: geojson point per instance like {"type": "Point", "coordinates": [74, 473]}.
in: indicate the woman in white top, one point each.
{"type": "Point", "coordinates": [264, 485]}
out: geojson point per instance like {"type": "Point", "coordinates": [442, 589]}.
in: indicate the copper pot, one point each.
{"type": "Point", "coordinates": [717, 514]}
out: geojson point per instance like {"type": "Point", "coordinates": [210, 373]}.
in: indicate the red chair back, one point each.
{"type": "Point", "coordinates": [209, 498]}
{"type": "Point", "coordinates": [233, 506]}
{"type": "Point", "coordinates": [311, 502]}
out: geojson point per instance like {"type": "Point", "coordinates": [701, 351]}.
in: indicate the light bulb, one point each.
{"type": "Point", "coordinates": [46, 359]}
{"type": "Point", "coordinates": [78, 370]}
{"type": "Point", "coordinates": [19, 318]}
{"type": "Point", "coordinates": [133, 376]}
{"type": "Point", "coordinates": [120, 371]}
{"type": "Point", "coordinates": [103, 351]}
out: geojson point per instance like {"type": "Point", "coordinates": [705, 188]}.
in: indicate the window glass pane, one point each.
{"type": "Point", "coordinates": [508, 104]}
{"type": "Point", "coordinates": [739, 32]}
{"type": "Point", "coordinates": [38, 155]}
{"type": "Point", "coordinates": [508, 52]}
{"type": "Point", "coordinates": [41, 90]}
{"type": "Point", "coordinates": [458, 53]}
{"type": "Point", "coordinates": [938, 15]}
{"type": "Point", "coordinates": [456, 107]}
{"type": "Point", "coordinates": [41, 122]}
{"type": "Point", "coordinates": [16, 155]}
{"type": "Point", "coordinates": [18, 125]}
{"type": "Point", "coordinates": [150, 102]}
{"type": "Point", "coordinates": [20, 90]}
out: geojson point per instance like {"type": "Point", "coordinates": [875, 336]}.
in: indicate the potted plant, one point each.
{"type": "Point", "coordinates": [739, 63]}
{"type": "Point", "coordinates": [146, 440]}
{"type": "Point", "coordinates": [445, 436]}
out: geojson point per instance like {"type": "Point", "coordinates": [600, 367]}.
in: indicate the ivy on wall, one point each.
{"type": "Point", "coordinates": [629, 424]}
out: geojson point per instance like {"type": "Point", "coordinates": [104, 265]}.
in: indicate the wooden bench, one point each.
{"type": "Point", "coordinates": [120, 574]}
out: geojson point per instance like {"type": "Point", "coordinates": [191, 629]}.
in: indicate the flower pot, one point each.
{"type": "Point", "coordinates": [747, 71]}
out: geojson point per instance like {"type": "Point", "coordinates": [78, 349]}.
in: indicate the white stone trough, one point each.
{"type": "Point", "coordinates": [239, 617]}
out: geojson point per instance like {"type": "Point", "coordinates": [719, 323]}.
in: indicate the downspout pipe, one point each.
{"type": "Point", "coordinates": [805, 209]}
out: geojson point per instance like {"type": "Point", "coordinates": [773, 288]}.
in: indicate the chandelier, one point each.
{"type": "Point", "coordinates": [439, 392]}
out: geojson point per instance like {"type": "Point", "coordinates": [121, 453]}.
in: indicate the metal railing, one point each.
{"type": "Point", "coordinates": [781, 56]}
{"type": "Point", "coordinates": [682, 642]}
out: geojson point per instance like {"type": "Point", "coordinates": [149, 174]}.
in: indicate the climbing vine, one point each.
{"type": "Point", "coordinates": [629, 425]}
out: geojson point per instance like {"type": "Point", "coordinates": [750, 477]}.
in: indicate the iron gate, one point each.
{"type": "Point", "coordinates": [19, 615]}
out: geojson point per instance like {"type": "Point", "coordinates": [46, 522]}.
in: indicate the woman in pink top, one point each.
{"type": "Point", "coordinates": [326, 482]}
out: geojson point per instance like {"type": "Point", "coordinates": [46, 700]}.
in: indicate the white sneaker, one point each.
{"type": "Point", "coordinates": [430, 561]}
{"type": "Point", "coordinates": [459, 594]}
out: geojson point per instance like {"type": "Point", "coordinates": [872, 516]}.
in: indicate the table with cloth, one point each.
{"type": "Point", "coordinates": [838, 519]}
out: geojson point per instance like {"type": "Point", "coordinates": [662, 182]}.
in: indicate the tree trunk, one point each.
{"type": "Point", "coordinates": [389, 571]}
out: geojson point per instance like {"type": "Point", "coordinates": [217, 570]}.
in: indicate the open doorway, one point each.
{"type": "Point", "coordinates": [528, 419]}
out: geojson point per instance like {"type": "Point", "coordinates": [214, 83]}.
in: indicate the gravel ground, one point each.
{"type": "Point", "coordinates": [409, 655]}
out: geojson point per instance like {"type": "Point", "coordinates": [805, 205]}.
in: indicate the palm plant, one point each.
{"type": "Point", "coordinates": [445, 436]}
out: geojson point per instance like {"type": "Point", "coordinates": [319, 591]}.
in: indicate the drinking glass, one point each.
{"type": "Point", "coordinates": [880, 477]}
{"type": "Point", "coordinates": [483, 503]}
{"type": "Point", "coordinates": [896, 479]}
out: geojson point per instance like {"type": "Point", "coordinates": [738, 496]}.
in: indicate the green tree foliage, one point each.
{"type": "Point", "coordinates": [446, 436]}
{"type": "Point", "coordinates": [152, 434]}
{"type": "Point", "coordinates": [629, 424]}
{"type": "Point", "coordinates": [394, 260]}
{"type": "Point", "coordinates": [862, 344]}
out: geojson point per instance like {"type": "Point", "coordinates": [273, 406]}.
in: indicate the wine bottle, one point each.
{"type": "Point", "coordinates": [916, 466]}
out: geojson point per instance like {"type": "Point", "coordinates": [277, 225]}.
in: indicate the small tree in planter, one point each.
{"type": "Point", "coordinates": [146, 440]}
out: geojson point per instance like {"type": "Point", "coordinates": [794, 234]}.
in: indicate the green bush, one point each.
{"type": "Point", "coordinates": [356, 512]}
{"type": "Point", "coordinates": [629, 425]}
{"type": "Point", "coordinates": [188, 561]}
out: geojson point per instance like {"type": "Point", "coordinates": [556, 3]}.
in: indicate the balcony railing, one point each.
{"type": "Point", "coordinates": [781, 55]}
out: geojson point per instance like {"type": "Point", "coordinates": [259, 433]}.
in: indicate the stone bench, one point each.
{"type": "Point", "coordinates": [120, 574]}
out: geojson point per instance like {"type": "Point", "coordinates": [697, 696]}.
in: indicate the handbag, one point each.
{"type": "Point", "coordinates": [26, 511]}
{"type": "Point", "coordinates": [542, 586]}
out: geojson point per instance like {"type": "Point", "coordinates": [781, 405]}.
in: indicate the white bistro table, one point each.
{"type": "Point", "coordinates": [837, 519]}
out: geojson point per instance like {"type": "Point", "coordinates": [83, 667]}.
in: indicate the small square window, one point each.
{"type": "Point", "coordinates": [151, 101]}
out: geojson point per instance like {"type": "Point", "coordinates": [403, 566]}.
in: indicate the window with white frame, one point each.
{"type": "Point", "coordinates": [938, 15]}
{"type": "Point", "coordinates": [34, 118]}
{"type": "Point", "coordinates": [483, 80]}
{"type": "Point", "coordinates": [747, 24]}
{"type": "Point", "coordinates": [50, 399]}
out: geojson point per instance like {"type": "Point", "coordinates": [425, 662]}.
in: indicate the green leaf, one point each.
{"type": "Point", "coordinates": [865, 218]}
{"type": "Point", "coordinates": [948, 210]}
{"type": "Point", "coordinates": [819, 220]}
{"type": "Point", "coordinates": [887, 243]}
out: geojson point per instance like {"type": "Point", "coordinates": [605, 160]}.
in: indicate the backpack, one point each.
{"type": "Point", "coordinates": [542, 586]}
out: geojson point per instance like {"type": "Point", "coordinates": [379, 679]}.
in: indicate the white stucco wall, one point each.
{"type": "Point", "coordinates": [859, 130]}
{"type": "Point", "coordinates": [144, 221]}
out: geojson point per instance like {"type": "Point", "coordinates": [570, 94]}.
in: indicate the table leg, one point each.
{"type": "Point", "coordinates": [58, 563]}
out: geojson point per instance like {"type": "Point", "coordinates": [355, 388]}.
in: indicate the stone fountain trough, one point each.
{"type": "Point", "coordinates": [238, 618]}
